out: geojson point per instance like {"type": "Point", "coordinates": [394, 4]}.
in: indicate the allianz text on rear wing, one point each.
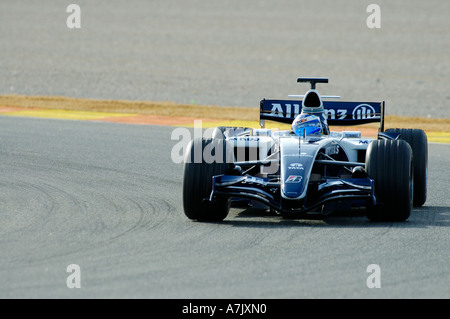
{"type": "Point", "coordinates": [339, 113]}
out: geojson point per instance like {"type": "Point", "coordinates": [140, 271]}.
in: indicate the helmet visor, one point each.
{"type": "Point", "coordinates": [300, 131]}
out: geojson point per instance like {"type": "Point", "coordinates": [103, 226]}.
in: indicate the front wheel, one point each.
{"type": "Point", "coordinates": [204, 159]}
{"type": "Point", "coordinates": [389, 164]}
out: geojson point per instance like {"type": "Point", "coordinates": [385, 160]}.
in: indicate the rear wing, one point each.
{"type": "Point", "coordinates": [339, 113]}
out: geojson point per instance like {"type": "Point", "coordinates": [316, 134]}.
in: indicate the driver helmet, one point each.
{"type": "Point", "coordinates": [306, 124]}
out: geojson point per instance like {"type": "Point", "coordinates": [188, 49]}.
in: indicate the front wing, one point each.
{"type": "Point", "coordinates": [356, 190]}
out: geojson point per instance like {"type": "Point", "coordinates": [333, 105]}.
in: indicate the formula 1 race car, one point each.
{"type": "Point", "coordinates": [308, 169]}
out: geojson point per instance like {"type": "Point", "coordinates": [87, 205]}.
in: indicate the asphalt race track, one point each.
{"type": "Point", "coordinates": [231, 53]}
{"type": "Point", "coordinates": [107, 197]}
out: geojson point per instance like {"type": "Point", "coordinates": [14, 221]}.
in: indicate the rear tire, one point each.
{"type": "Point", "coordinates": [219, 132]}
{"type": "Point", "coordinates": [417, 139]}
{"type": "Point", "coordinates": [389, 164]}
{"type": "Point", "coordinates": [197, 179]}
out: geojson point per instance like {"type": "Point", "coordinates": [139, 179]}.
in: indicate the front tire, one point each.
{"type": "Point", "coordinates": [389, 164]}
{"type": "Point", "coordinates": [197, 179]}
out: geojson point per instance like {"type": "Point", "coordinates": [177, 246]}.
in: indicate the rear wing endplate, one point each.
{"type": "Point", "coordinates": [339, 113]}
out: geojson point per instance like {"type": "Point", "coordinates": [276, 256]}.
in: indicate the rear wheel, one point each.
{"type": "Point", "coordinates": [204, 159]}
{"type": "Point", "coordinates": [219, 132]}
{"type": "Point", "coordinates": [417, 139]}
{"type": "Point", "coordinates": [389, 164]}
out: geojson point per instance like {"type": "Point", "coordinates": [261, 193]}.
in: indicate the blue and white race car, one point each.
{"type": "Point", "coordinates": [308, 170]}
